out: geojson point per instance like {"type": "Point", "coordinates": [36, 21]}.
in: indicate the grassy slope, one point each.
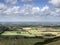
{"type": "Point", "coordinates": [54, 43]}
{"type": "Point", "coordinates": [22, 41]}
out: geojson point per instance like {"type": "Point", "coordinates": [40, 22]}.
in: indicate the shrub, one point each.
{"type": "Point", "coordinates": [49, 34]}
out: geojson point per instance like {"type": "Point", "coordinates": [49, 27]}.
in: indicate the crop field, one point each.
{"type": "Point", "coordinates": [30, 36]}
{"type": "Point", "coordinates": [32, 32]}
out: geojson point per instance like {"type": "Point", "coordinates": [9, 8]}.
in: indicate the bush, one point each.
{"type": "Point", "coordinates": [49, 34]}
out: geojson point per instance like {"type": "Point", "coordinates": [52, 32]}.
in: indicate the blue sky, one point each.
{"type": "Point", "coordinates": [30, 10]}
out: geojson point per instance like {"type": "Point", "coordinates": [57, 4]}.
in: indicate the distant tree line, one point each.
{"type": "Point", "coordinates": [3, 28]}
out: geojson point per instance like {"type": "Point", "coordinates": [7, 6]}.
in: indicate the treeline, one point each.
{"type": "Point", "coordinates": [17, 37]}
{"type": "Point", "coordinates": [3, 29]}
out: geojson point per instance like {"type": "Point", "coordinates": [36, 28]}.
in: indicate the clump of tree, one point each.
{"type": "Point", "coordinates": [3, 29]}
{"type": "Point", "coordinates": [49, 34]}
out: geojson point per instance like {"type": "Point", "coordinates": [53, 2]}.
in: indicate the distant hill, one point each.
{"type": "Point", "coordinates": [32, 23]}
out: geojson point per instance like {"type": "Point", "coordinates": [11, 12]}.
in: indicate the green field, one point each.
{"type": "Point", "coordinates": [18, 33]}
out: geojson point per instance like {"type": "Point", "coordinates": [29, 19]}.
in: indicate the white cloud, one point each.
{"type": "Point", "coordinates": [27, 11]}
{"type": "Point", "coordinates": [11, 1]}
{"type": "Point", "coordinates": [55, 3]}
{"type": "Point", "coordinates": [2, 6]}
{"type": "Point", "coordinates": [35, 9]}
{"type": "Point", "coordinates": [26, 0]}
{"type": "Point", "coordinates": [45, 8]}
{"type": "Point", "coordinates": [12, 10]}
{"type": "Point", "coordinates": [32, 11]}
{"type": "Point", "coordinates": [16, 1]}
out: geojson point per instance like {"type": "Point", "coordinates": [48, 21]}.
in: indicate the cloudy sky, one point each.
{"type": "Point", "coordinates": [30, 10]}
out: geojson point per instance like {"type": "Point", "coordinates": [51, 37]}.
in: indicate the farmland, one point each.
{"type": "Point", "coordinates": [33, 31]}
{"type": "Point", "coordinates": [16, 35]}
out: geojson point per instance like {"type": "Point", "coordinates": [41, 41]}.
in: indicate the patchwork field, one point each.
{"type": "Point", "coordinates": [32, 32]}
{"type": "Point", "coordinates": [30, 36]}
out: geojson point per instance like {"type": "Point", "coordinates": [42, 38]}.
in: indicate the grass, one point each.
{"type": "Point", "coordinates": [22, 41]}
{"type": "Point", "coordinates": [15, 33]}
{"type": "Point", "coordinates": [54, 43]}
{"type": "Point", "coordinates": [29, 41]}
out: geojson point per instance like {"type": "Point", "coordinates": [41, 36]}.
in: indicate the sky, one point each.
{"type": "Point", "coordinates": [29, 10]}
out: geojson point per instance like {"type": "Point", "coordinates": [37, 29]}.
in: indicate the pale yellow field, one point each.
{"type": "Point", "coordinates": [43, 31]}
{"type": "Point", "coordinates": [33, 32]}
